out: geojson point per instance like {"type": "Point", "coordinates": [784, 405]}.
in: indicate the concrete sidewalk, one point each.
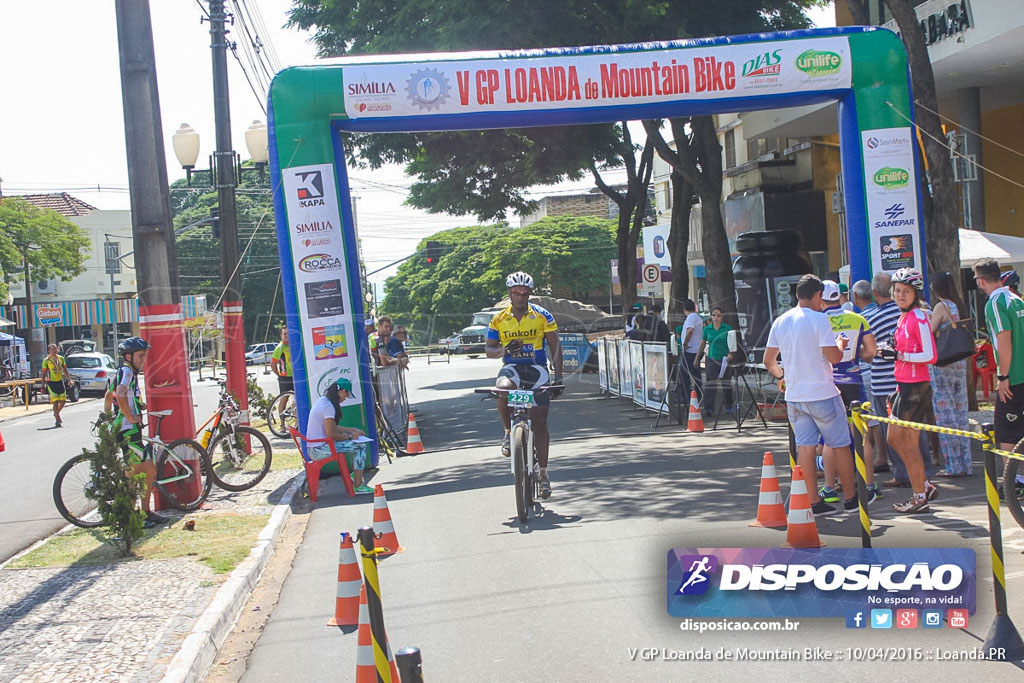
{"type": "Point", "coordinates": [568, 595]}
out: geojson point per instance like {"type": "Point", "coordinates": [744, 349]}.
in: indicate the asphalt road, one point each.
{"type": "Point", "coordinates": [575, 594]}
{"type": "Point", "coordinates": [36, 450]}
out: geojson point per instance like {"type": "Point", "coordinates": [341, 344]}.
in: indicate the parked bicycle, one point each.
{"type": "Point", "coordinates": [234, 465]}
{"type": "Point", "coordinates": [283, 413]}
{"type": "Point", "coordinates": [525, 466]}
{"type": "Point", "coordinates": [183, 476]}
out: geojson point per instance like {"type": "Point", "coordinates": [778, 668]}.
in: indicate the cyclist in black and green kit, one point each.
{"type": "Point", "coordinates": [128, 419]}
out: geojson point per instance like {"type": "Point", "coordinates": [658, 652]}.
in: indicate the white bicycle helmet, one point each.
{"type": "Point", "coordinates": [909, 276]}
{"type": "Point", "coordinates": [519, 279]}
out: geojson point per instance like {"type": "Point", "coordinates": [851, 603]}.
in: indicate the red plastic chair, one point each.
{"type": "Point", "coordinates": [313, 467]}
{"type": "Point", "coordinates": [986, 371]}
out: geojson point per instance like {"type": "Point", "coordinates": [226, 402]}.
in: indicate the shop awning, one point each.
{"type": "Point", "coordinates": [4, 322]}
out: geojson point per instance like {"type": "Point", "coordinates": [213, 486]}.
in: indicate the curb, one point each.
{"type": "Point", "coordinates": [200, 647]}
{"type": "Point", "coordinates": [11, 418]}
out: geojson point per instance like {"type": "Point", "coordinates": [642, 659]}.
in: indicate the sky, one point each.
{"type": "Point", "coordinates": [61, 125]}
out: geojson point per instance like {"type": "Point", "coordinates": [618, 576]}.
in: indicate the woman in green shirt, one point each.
{"type": "Point", "coordinates": [716, 341]}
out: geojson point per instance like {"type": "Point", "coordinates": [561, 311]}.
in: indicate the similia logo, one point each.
{"type": "Point", "coordinates": [818, 62]}
{"type": "Point", "coordinates": [891, 178]}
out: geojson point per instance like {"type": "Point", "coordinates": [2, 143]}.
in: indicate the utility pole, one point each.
{"type": "Point", "coordinates": [166, 370]}
{"type": "Point", "coordinates": [224, 163]}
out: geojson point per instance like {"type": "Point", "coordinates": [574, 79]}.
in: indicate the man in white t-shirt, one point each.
{"type": "Point", "coordinates": [808, 346]}
{"type": "Point", "coordinates": [690, 334]}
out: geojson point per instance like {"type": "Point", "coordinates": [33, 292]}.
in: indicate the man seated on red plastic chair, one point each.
{"type": "Point", "coordinates": [324, 423]}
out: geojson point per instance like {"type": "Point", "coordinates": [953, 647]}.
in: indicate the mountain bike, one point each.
{"type": "Point", "coordinates": [178, 464]}
{"type": "Point", "coordinates": [525, 466]}
{"type": "Point", "coordinates": [233, 466]}
{"type": "Point", "coordinates": [281, 417]}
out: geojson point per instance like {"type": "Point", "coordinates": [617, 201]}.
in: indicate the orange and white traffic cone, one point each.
{"type": "Point", "coordinates": [382, 524]}
{"type": "Point", "coordinates": [770, 510]}
{"type": "Point", "coordinates": [802, 531]}
{"type": "Point", "coordinates": [413, 444]}
{"type": "Point", "coordinates": [366, 667]}
{"type": "Point", "coordinates": [696, 422]}
{"type": "Point", "coordinates": [346, 604]}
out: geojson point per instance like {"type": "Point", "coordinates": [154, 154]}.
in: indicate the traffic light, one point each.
{"type": "Point", "coordinates": [433, 252]}
{"type": "Point", "coordinates": [215, 220]}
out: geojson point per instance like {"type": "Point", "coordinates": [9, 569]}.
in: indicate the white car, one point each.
{"type": "Point", "coordinates": [259, 353]}
{"type": "Point", "coordinates": [92, 370]}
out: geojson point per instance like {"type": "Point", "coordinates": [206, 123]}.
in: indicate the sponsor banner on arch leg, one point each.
{"type": "Point", "coordinates": [891, 191]}
{"type": "Point", "coordinates": [828, 582]}
{"type": "Point", "coordinates": [322, 282]}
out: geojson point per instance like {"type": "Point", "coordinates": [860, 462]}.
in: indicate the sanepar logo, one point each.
{"type": "Point", "coordinates": [891, 178]}
{"type": "Point", "coordinates": [818, 62]}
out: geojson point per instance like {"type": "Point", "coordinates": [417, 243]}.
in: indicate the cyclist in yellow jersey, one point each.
{"type": "Point", "coordinates": [57, 378]}
{"type": "Point", "coordinates": [281, 365]}
{"type": "Point", "coordinates": [517, 335]}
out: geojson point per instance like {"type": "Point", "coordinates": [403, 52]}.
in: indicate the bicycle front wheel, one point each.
{"type": "Point", "coordinates": [183, 474]}
{"type": "Point", "coordinates": [231, 467]}
{"type": "Point", "coordinates": [69, 492]}
{"type": "Point", "coordinates": [1010, 485]}
{"type": "Point", "coordinates": [521, 473]}
{"type": "Point", "coordinates": [282, 414]}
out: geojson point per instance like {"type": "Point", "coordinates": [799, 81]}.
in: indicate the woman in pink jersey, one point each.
{"type": "Point", "coordinates": [915, 351]}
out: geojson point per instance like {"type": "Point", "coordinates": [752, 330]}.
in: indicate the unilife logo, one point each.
{"type": "Point", "coordinates": [831, 577]}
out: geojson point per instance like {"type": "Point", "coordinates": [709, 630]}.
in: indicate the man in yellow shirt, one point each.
{"type": "Point", "coordinates": [281, 365]}
{"type": "Point", "coordinates": [57, 378]}
{"type": "Point", "coordinates": [517, 335]}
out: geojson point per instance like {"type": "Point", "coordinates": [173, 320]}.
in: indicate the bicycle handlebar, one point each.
{"type": "Point", "coordinates": [495, 390]}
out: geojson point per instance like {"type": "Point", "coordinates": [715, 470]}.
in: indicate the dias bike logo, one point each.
{"type": "Point", "coordinates": [315, 263]}
{"type": "Point", "coordinates": [310, 188]}
{"type": "Point", "coordinates": [784, 582]}
{"type": "Point", "coordinates": [767, 64]}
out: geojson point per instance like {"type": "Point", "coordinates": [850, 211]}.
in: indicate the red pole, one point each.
{"type": "Point", "coordinates": [234, 357]}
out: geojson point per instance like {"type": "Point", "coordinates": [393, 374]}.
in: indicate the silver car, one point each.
{"type": "Point", "coordinates": [92, 370]}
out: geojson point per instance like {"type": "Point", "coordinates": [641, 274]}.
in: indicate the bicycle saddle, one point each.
{"type": "Point", "coordinates": [161, 413]}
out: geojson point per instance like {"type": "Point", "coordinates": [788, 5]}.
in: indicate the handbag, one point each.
{"type": "Point", "coordinates": [954, 341]}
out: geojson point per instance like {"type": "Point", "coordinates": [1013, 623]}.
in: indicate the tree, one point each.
{"type": "Point", "coordinates": [679, 246]}
{"type": "Point", "coordinates": [199, 251]}
{"type": "Point", "coordinates": [37, 243]}
{"type": "Point", "coordinates": [567, 256]}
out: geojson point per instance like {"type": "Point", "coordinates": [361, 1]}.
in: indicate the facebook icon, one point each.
{"type": "Point", "coordinates": [856, 619]}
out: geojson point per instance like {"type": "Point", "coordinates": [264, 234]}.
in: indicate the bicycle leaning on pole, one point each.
{"type": "Point", "coordinates": [183, 476]}
{"type": "Point", "coordinates": [525, 466]}
{"type": "Point", "coordinates": [233, 466]}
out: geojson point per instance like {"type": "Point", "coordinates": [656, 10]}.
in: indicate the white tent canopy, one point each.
{"type": "Point", "coordinates": [976, 245]}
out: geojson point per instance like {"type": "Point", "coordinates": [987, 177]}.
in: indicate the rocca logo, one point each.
{"type": "Point", "coordinates": [768, 64]}
{"type": "Point", "coordinates": [891, 178]}
{"type": "Point", "coordinates": [818, 62]}
{"type": "Point", "coordinates": [314, 263]}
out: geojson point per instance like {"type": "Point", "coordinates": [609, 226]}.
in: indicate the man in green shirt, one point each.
{"type": "Point", "coordinates": [1004, 316]}
{"type": "Point", "coordinates": [715, 339]}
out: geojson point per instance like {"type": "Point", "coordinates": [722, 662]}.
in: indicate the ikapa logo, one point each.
{"type": "Point", "coordinates": [310, 189]}
{"type": "Point", "coordinates": [697, 579]}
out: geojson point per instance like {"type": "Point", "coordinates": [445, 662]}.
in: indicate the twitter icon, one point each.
{"type": "Point", "coordinates": [881, 618]}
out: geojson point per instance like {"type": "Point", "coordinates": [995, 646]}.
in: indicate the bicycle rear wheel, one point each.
{"type": "Point", "coordinates": [521, 474]}
{"type": "Point", "coordinates": [280, 418]}
{"type": "Point", "coordinates": [69, 492]}
{"type": "Point", "coordinates": [1010, 485]}
{"type": "Point", "coordinates": [183, 474]}
{"type": "Point", "coordinates": [231, 467]}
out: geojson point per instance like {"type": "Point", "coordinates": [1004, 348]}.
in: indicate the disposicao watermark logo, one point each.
{"type": "Point", "coordinates": [816, 63]}
{"type": "Point", "coordinates": [784, 582]}
{"type": "Point", "coordinates": [891, 178]}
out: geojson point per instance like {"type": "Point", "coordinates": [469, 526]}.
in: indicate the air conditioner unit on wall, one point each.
{"type": "Point", "coordinates": [46, 286]}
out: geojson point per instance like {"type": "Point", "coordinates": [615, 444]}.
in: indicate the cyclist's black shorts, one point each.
{"type": "Point", "coordinates": [1009, 416]}
{"type": "Point", "coordinates": [913, 402]}
{"type": "Point", "coordinates": [526, 376]}
{"type": "Point", "coordinates": [285, 383]}
{"type": "Point", "coordinates": [132, 447]}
